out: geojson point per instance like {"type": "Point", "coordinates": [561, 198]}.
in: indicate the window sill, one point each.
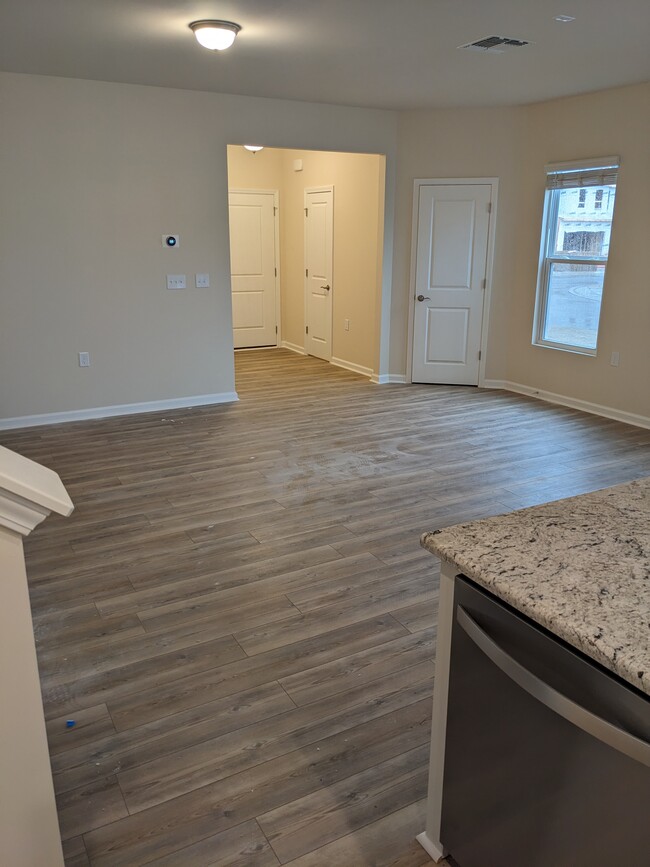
{"type": "Point", "coordinates": [574, 350]}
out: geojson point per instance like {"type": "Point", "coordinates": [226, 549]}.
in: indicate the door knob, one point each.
{"type": "Point", "coordinates": [423, 298]}
{"type": "Point", "coordinates": [326, 287]}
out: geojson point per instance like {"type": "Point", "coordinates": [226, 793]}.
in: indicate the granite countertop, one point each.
{"type": "Point", "coordinates": [579, 567]}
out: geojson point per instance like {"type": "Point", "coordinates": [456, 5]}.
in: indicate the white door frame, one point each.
{"type": "Point", "coordinates": [487, 293]}
{"type": "Point", "coordinates": [276, 232]}
{"type": "Point", "coordinates": [326, 189]}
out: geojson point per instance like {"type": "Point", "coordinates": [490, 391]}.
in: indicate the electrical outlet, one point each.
{"type": "Point", "coordinates": [615, 359]}
{"type": "Point", "coordinates": [346, 324]}
{"type": "Point", "coordinates": [84, 359]}
{"type": "Point", "coordinates": [176, 281]}
{"type": "Point", "coordinates": [202, 281]}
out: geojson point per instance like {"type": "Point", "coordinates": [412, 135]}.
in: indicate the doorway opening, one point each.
{"type": "Point", "coordinates": [306, 246]}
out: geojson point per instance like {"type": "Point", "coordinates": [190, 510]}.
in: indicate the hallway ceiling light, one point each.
{"type": "Point", "coordinates": [254, 148]}
{"type": "Point", "coordinates": [215, 35]}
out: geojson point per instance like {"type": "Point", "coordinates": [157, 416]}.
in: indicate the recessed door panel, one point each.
{"type": "Point", "coordinates": [248, 310]}
{"type": "Point", "coordinates": [446, 339]}
{"type": "Point", "coordinates": [318, 253]}
{"type": "Point", "coordinates": [252, 266]}
{"type": "Point", "coordinates": [247, 245]}
{"type": "Point", "coordinates": [452, 244]}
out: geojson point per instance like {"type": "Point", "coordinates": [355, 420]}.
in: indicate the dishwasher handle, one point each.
{"type": "Point", "coordinates": [614, 737]}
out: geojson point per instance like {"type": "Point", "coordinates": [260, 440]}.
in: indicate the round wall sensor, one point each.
{"type": "Point", "coordinates": [171, 240]}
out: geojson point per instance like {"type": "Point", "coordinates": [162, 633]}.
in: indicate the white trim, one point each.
{"type": "Point", "coordinates": [117, 409]}
{"type": "Point", "coordinates": [20, 515]}
{"type": "Point", "coordinates": [495, 383]}
{"type": "Point", "coordinates": [276, 233]}
{"type": "Point", "coordinates": [350, 365]}
{"type": "Point", "coordinates": [435, 847]}
{"type": "Point", "coordinates": [436, 851]}
{"type": "Point", "coordinates": [388, 378]}
{"type": "Point", "coordinates": [254, 348]}
{"type": "Point", "coordinates": [415, 212]}
{"type": "Point", "coordinates": [28, 493]}
{"type": "Point", "coordinates": [588, 165]}
{"type": "Point", "coordinates": [489, 263]}
{"type": "Point", "coordinates": [293, 347]}
{"type": "Point", "coordinates": [489, 268]}
{"type": "Point", "coordinates": [572, 402]}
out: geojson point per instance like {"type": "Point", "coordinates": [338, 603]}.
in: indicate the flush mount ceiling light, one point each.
{"type": "Point", "coordinates": [564, 19]}
{"type": "Point", "coordinates": [254, 148]}
{"type": "Point", "coordinates": [215, 35]}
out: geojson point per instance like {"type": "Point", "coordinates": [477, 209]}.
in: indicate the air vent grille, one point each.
{"type": "Point", "coordinates": [495, 44]}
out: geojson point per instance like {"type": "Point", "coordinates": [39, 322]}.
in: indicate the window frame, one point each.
{"type": "Point", "coordinates": [548, 255]}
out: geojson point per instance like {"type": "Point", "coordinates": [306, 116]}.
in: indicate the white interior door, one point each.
{"type": "Point", "coordinates": [253, 268]}
{"type": "Point", "coordinates": [319, 224]}
{"type": "Point", "coordinates": [450, 277]}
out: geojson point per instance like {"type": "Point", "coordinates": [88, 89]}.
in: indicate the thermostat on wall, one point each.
{"type": "Point", "coordinates": [171, 241]}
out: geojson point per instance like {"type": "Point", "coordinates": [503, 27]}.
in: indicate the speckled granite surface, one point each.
{"type": "Point", "coordinates": [580, 567]}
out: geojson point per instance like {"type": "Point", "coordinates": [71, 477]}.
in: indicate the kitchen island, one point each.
{"type": "Point", "coordinates": [578, 570]}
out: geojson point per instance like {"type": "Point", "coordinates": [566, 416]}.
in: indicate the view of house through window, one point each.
{"type": "Point", "coordinates": [575, 245]}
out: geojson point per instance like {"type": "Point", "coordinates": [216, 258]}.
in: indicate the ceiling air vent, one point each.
{"type": "Point", "coordinates": [494, 44]}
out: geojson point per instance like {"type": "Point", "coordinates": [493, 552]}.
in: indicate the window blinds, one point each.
{"type": "Point", "coordinates": [583, 173]}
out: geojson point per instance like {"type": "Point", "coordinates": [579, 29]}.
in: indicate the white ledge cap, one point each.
{"type": "Point", "coordinates": [28, 493]}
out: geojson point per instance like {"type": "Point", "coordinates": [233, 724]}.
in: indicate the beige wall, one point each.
{"type": "Point", "coordinates": [600, 124]}
{"type": "Point", "coordinates": [457, 143]}
{"type": "Point", "coordinates": [262, 170]}
{"type": "Point", "coordinates": [92, 174]}
{"type": "Point", "coordinates": [514, 144]}
{"type": "Point", "coordinates": [358, 238]}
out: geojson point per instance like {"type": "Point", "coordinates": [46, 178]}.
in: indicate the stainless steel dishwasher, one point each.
{"type": "Point", "coordinates": [547, 758]}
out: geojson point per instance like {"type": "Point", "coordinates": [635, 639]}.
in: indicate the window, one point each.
{"type": "Point", "coordinates": [573, 254]}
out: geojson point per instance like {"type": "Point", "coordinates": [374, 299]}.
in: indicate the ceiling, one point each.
{"type": "Point", "coordinates": [393, 54]}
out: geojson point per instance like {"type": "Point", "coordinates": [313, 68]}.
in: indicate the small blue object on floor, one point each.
{"type": "Point", "coordinates": [70, 723]}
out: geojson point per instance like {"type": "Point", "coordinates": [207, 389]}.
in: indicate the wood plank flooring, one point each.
{"type": "Point", "coordinates": [241, 621]}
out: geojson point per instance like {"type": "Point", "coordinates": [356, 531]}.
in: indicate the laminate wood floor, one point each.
{"type": "Point", "coordinates": [241, 621]}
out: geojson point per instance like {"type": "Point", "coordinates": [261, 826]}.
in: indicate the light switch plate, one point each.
{"type": "Point", "coordinates": [176, 281]}
{"type": "Point", "coordinates": [202, 281]}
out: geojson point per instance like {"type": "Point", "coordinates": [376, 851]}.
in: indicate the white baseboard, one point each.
{"type": "Point", "coordinates": [117, 409]}
{"type": "Point", "coordinates": [572, 402]}
{"type": "Point", "coordinates": [255, 348]}
{"type": "Point", "coordinates": [388, 379]}
{"type": "Point", "coordinates": [350, 365]}
{"type": "Point", "coordinates": [293, 347]}
{"type": "Point", "coordinates": [436, 850]}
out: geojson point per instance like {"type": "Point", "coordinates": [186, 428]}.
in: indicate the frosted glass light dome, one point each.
{"type": "Point", "coordinates": [215, 35]}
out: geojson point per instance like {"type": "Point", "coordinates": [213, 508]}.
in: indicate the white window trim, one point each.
{"type": "Point", "coordinates": [549, 223]}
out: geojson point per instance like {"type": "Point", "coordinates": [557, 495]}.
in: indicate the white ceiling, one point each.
{"type": "Point", "coordinates": [380, 53]}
